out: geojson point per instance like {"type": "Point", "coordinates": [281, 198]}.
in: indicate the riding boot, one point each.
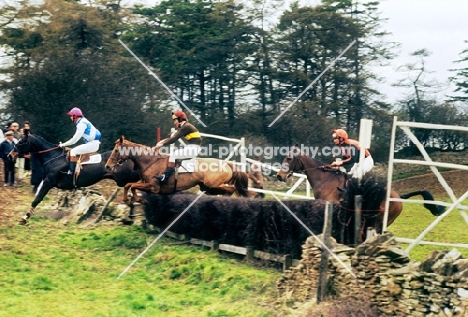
{"type": "Point", "coordinates": [72, 166]}
{"type": "Point", "coordinates": [72, 169]}
{"type": "Point", "coordinates": [165, 176]}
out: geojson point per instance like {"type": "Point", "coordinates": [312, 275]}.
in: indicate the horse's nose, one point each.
{"type": "Point", "coordinates": [108, 168]}
{"type": "Point", "coordinates": [279, 177]}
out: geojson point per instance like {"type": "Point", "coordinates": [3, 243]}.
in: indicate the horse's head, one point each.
{"type": "Point", "coordinates": [120, 154]}
{"type": "Point", "coordinates": [23, 146]}
{"type": "Point", "coordinates": [291, 163]}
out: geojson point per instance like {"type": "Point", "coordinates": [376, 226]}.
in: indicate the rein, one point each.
{"type": "Point", "coordinates": [48, 150]}
{"type": "Point", "coordinates": [45, 151]}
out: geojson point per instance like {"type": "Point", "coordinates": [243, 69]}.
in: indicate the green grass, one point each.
{"type": "Point", "coordinates": [415, 219]}
{"type": "Point", "coordinates": [49, 270]}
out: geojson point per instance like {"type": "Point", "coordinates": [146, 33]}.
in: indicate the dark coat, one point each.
{"type": "Point", "coordinates": [5, 149]}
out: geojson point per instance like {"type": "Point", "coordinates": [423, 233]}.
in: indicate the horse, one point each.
{"type": "Point", "coordinates": [54, 161]}
{"type": "Point", "coordinates": [214, 182]}
{"type": "Point", "coordinates": [329, 184]}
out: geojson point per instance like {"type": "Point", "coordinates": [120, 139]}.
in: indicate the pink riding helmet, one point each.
{"type": "Point", "coordinates": [75, 112]}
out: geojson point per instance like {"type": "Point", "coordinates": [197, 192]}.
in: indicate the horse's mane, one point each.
{"type": "Point", "coordinates": [131, 143]}
{"type": "Point", "coordinates": [372, 189]}
{"type": "Point", "coordinates": [42, 140]}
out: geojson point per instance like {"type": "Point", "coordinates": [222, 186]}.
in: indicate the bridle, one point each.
{"type": "Point", "coordinates": [117, 162]}
{"type": "Point", "coordinates": [293, 161]}
{"type": "Point", "coordinates": [31, 147]}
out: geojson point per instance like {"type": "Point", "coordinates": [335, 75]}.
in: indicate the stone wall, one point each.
{"type": "Point", "coordinates": [87, 207]}
{"type": "Point", "coordinates": [385, 277]}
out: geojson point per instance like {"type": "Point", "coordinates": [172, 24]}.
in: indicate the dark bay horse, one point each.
{"type": "Point", "coordinates": [213, 180]}
{"type": "Point", "coordinates": [53, 160]}
{"type": "Point", "coordinates": [327, 182]}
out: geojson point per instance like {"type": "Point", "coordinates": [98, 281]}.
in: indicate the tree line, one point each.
{"type": "Point", "coordinates": [233, 64]}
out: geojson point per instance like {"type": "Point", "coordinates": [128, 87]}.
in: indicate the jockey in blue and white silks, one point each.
{"type": "Point", "coordinates": [85, 130]}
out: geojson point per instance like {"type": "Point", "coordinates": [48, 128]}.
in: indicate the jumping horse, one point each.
{"type": "Point", "coordinates": [329, 183]}
{"type": "Point", "coordinates": [211, 175]}
{"type": "Point", "coordinates": [54, 161]}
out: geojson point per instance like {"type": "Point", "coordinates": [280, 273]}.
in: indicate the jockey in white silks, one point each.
{"type": "Point", "coordinates": [85, 130]}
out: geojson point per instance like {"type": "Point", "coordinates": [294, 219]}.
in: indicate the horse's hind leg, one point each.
{"type": "Point", "coordinates": [135, 196]}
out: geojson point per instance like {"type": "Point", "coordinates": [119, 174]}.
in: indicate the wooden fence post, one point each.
{"type": "Point", "coordinates": [250, 253]}
{"type": "Point", "coordinates": [326, 232]}
{"type": "Point", "coordinates": [287, 262]}
{"type": "Point", "coordinates": [215, 245]}
{"type": "Point", "coordinates": [357, 218]}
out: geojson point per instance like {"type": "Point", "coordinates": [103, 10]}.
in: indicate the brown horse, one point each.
{"type": "Point", "coordinates": [211, 175]}
{"type": "Point", "coordinates": [329, 183]}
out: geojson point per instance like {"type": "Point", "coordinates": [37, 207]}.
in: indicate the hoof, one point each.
{"type": "Point", "coordinates": [22, 221]}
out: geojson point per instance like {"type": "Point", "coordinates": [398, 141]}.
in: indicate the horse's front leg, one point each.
{"type": "Point", "coordinates": [44, 188]}
{"type": "Point", "coordinates": [125, 194]}
{"type": "Point", "coordinates": [146, 187]}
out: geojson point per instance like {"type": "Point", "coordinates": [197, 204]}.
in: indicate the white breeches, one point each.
{"type": "Point", "coordinates": [189, 151]}
{"type": "Point", "coordinates": [90, 147]}
{"type": "Point", "coordinates": [357, 171]}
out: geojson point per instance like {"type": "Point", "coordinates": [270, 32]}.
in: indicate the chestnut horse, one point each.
{"type": "Point", "coordinates": [211, 175]}
{"type": "Point", "coordinates": [328, 183]}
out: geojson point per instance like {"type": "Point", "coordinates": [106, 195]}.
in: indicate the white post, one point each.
{"type": "Point", "coordinates": [390, 174]}
{"type": "Point", "coordinates": [242, 155]}
{"type": "Point", "coordinates": [365, 136]}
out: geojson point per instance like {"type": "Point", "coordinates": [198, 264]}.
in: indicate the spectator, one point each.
{"type": "Point", "coordinates": [8, 164]}
{"type": "Point", "coordinates": [14, 126]}
{"type": "Point", "coordinates": [27, 160]}
{"type": "Point", "coordinates": [256, 176]}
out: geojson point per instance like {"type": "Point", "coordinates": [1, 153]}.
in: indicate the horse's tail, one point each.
{"type": "Point", "coordinates": [436, 210]}
{"type": "Point", "coordinates": [241, 183]}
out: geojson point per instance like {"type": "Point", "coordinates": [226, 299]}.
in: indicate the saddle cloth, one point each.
{"type": "Point", "coordinates": [91, 159]}
{"type": "Point", "coordinates": [188, 166]}
{"type": "Point", "coordinates": [203, 165]}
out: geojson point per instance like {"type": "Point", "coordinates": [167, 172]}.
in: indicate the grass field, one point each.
{"type": "Point", "coordinates": [415, 219]}
{"type": "Point", "coordinates": [49, 270]}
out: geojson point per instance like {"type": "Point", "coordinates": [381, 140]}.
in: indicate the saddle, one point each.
{"type": "Point", "coordinates": [83, 159]}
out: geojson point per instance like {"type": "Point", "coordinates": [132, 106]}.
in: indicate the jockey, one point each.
{"type": "Point", "coordinates": [191, 150]}
{"type": "Point", "coordinates": [350, 150]}
{"type": "Point", "coordinates": [85, 130]}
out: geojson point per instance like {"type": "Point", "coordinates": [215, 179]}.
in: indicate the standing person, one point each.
{"type": "Point", "coordinates": [85, 130]}
{"type": "Point", "coordinates": [8, 164]}
{"type": "Point", "coordinates": [27, 160]}
{"type": "Point", "coordinates": [256, 176]}
{"type": "Point", "coordinates": [14, 126]}
{"type": "Point", "coordinates": [191, 150]}
{"type": "Point", "coordinates": [350, 150]}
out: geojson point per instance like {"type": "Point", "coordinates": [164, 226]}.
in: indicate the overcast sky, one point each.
{"type": "Point", "coordinates": [438, 26]}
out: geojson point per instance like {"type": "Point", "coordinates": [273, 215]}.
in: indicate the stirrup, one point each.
{"type": "Point", "coordinates": [162, 178]}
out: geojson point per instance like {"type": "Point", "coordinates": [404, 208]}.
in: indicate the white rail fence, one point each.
{"type": "Point", "coordinates": [239, 144]}
{"type": "Point", "coordinates": [455, 201]}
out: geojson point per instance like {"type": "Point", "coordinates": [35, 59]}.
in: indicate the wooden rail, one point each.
{"type": "Point", "coordinates": [250, 254]}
